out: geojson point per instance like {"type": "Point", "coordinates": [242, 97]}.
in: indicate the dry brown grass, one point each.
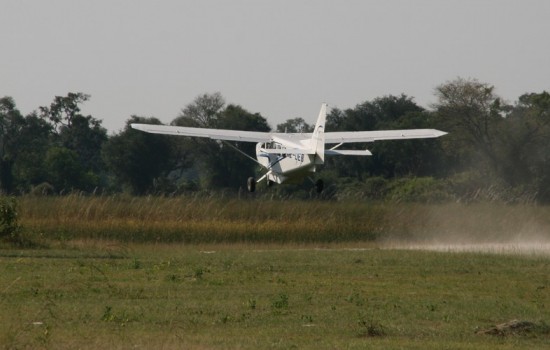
{"type": "Point", "coordinates": [212, 220]}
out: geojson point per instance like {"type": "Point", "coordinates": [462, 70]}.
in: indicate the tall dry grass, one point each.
{"type": "Point", "coordinates": [199, 219]}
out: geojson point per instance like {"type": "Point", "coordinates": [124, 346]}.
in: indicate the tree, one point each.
{"type": "Point", "coordinates": [33, 143]}
{"type": "Point", "coordinates": [11, 122]}
{"type": "Point", "coordinates": [421, 157]}
{"type": "Point", "coordinates": [372, 115]}
{"type": "Point", "coordinates": [136, 158]}
{"type": "Point", "coordinates": [64, 170]}
{"type": "Point", "coordinates": [217, 164]}
{"type": "Point", "coordinates": [296, 125]}
{"type": "Point", "coordinates": [472, 113]}
{"type": "Point", "coordinates": [222, 165]}
{"type": "Point", "coordinates": [189, 152]}
{"type": "Point", "coordinates": [500, 145]}
{"type": "Point", "coordinates": [80, 134]}
{"type": "Point", "coordinates": [523, 144]}
{"type": "Point", "coordinates": [24, 142]}
{"type": "Point", "coordinates": [85, 136]}
{"type": "Point", "coordinates": [64, 109]}
{"type": "Point", "coordinates": [388, 112]}
{"type": "Point", "coordinates": [202, 112]}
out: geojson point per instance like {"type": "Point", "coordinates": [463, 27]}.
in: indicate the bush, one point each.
{"type": "Point", "coordinates": [376, 187]}
{"type": "Point", "coordinates": [9, 227]}
{"type": "Point", "coordinates": [43, 189]}
{"type": "Point", "coordinates": [419, 190]}
{"type": "Point", "coordinates": [473, 186]}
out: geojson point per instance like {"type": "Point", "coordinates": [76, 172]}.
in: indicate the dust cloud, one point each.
{"type": "Point", "coordinates": [483, 228]}
{"type": "Point", "coordinates": [520, 248]}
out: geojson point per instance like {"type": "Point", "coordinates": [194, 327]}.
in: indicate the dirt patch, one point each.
{"type": "Point", "coordinates": [516, 327]}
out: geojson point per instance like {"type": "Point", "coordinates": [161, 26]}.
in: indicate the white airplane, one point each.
{"type": "Point", "coordinates": [290, 157]}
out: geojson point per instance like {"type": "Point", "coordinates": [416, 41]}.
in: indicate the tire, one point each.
{"type": "Point", "coordinates": [319, 185]}
{"type": "Point", "coordinates": [251, 184]}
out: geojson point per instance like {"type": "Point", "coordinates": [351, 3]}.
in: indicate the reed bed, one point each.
{"type": "Point", "coordinates": [198, 219]}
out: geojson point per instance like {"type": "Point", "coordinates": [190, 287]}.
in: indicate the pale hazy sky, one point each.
{"type": "Point", "coordinates": [280, 58]}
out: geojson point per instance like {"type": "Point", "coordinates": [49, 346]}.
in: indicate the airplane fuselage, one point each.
{"type": "Point", "coordinates": [284, 167]}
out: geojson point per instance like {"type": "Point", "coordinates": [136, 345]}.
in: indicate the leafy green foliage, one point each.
{"type": "Point", "coordinates": [296, 125]}
{"type": "Point", "coordinates": [390, 159]}
{"type": "Point", "coordinates": [202, 112]}
{"type": "Point", "coordinates": [223, 166]}
{"type": "Point", "coordinates": [137, 158]}
{"type": "Point", "coordinates": [494, 150]}
{"type": "Point", "coordinates": [81, 138]}
{"type": "Point", "coordinates": [33, 143]}
{"type": "Point", "coordinates": [217, 165]}
{"type": "Point", "coordinates": [9, 224]}
{"type": "Point", "coordinates": [472, 114]}
{"type": "Point", "coordinates": [505, 143]}
{"type": "Point", "coordinates": [11, 122]}
{"type": "Point", "coordinates": [63, 111]}
{"type": "Point", "coordinates": [419, 189]}
{"type": "Point", "coordinates": [66, 172]}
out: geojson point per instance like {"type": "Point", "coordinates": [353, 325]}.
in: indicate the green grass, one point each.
{"type": "Point", "coordinates": [258, 296]}
{"type": "Point", "coordinates": [196, 272]}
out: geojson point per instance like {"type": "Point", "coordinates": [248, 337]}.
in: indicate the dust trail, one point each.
{"type": "Point", "coordinates": [519, 248]}
{"type": "Point", "coordinates": [482, 227]}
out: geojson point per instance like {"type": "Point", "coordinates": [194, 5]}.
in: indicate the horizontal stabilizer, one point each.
{"type": "Point", "coordinates": [349, 152]}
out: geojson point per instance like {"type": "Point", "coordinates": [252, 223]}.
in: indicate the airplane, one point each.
{"type": "Point", "coordinates": [291, 157]}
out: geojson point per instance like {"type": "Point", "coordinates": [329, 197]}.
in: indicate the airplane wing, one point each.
{"type": "Point", "coordinates": [290, 139]}
{"type": "Point", "coordinates": [215, 134]}
{"type": "Point", "coordinates": [376, 135]}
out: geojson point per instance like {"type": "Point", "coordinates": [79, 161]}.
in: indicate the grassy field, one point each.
{"type": "Point", "coordinates": [121, 272]}
{"type": "Point", "coordinates": [174, 296]}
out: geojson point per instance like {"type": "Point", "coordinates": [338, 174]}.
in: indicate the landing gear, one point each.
{"type": "Point", "coordinates": [270, 183]}
{"type": "Point", "coordinates": [319, 185]}
{"type": "Point", "coordinates": [251, 184]}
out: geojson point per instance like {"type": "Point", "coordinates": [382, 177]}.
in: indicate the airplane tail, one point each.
{"type": "Point", "coordinates": [318, 137]}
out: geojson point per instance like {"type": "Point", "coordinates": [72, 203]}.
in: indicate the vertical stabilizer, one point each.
{"type": "Point", "coordinates": [318, 137]}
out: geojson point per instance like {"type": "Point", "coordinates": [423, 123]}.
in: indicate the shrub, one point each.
{"type": "Point", "coordinates": [376, 187]}
{"type": "Point", "coordinates": [9, 227]}
{"type": "Point", "coordinates": [43, 189]}
{"type": "Point", "coordinates": [420, 190]}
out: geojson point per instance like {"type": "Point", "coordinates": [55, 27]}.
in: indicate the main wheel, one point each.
{"type": "Point", "coordinates": [270, 183]}
{"type": "Point", "coordinates": [319, 185]}
{"type": "Point", "coordinates": [251, 184]}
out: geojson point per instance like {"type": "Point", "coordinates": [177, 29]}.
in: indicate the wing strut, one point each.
{"type": "Point", "coordinates": [249, 157]}
{"type": "Point", "coordinates": [241, 152]}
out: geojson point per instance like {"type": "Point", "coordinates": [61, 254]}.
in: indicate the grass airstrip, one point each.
{"type": "Point", "coordinates": [241, 273]}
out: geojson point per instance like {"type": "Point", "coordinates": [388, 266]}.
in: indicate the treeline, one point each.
{"type": "Point", "coordinates": [494, 150]}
